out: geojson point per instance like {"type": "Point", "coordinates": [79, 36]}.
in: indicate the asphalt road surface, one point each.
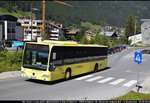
{"type": "Point", "coordinates": [117, 80]}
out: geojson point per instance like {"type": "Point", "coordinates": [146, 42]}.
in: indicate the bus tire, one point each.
{"type": "Point", "coordinates": [96, 68]}
{"type": "Point", "coordinates": [68, 74]}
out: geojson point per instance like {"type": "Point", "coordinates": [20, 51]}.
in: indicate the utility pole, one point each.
{"type": "Point", "coordinates": [43, 13]}
{"type": "Point", "coordinates": [43, 17]}
{"type": "Point", "coordinates": [31, 22]}
{"type": "Point", "coordinates": [134, 32]}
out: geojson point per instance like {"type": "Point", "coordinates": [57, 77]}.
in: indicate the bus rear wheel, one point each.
{"type": "Point", "coordinates": [68, 74]}
{"type": "Point", "coordinates": [95, 68]}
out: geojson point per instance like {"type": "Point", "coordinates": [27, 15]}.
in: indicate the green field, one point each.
{"type": "Point", "coordinates": [16, 14]}
{"type": "Point", "coordinates": [10, 61]}
{"type": "Point", "coordinates": [134, 96]}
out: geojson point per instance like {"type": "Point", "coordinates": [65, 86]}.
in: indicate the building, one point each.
{"type": "Point", "coordinates": [71, 34]}
{"type": "Point", "coordinates": [145, 30]}
{"type": "Point", "coordinates": [56, 30]}
{"type": "Point", "coordinates": [135, 39]}
{"type": "Point", "coordinates": [112, 29]}
{"type": "Point", "coordinates": [111, 34]}
{"type": "Point", "coordinates": [89, 34]}
{"type": "Point", "coordinates": [10, 29]}
{"type": "Point", "coordinates": [36, 28]}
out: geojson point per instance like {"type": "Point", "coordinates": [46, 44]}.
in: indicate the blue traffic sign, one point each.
{"type": "Point", "coordinates": [138, 57]}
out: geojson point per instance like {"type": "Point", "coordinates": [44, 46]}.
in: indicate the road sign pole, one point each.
{"type": "Point", "coordinates": [137, 85]}
{"type": "Point", "coordinates": [138, 59]}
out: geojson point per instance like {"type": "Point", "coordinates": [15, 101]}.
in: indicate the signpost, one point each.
{"type": "Point", "coordinates": [138, 59]}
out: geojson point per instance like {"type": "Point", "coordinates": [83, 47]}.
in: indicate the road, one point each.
{"type": "Point", "coordinates": [116, 81]}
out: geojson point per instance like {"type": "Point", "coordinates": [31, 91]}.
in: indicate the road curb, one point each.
{"type": "Point", "coordinates": [9, 77]}
{"type": "Point", "coordinates": [9, 74]}
{"type": "Point", "coordinates": [145, 86]}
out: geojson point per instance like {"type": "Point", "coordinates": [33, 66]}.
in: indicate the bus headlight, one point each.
{"type": "Point", "coordinates": [46, 76]}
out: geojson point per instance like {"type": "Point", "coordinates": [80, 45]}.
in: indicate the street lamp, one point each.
{"type": "Point", "coordinates": [32, 9]}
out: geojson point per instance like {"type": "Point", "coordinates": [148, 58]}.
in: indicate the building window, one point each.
{"type": "Point", "coordinates": [13, 30]}
{"type": "Point", "coordinates": [9, 30]}
{"type": "Point", "coordinates": [11, 27]}
{"type": "Point", "coordinates": [26, 22]}
{"type": "Point", "coordinates": [39, 23]}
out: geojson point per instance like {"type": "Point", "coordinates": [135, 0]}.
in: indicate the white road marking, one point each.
{"type": "Point", "coordinates": [128, 84]}
{"type": "Point", "coordinates": [135, 72]}
{"type": "Point", "coordinates": [117, 81]}
{"type": "Point", "coordinates": [81, 78]}
{"type": "Point", "coordinates": [105, 80]}
{"type": "Point", "coordinates": [96, 78]}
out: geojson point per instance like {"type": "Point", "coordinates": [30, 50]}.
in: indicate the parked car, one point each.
{"type": "Point", "coordinates": [111, 51]}
{"type": "Point", "coordinates": [145, 51]}
{"type": "Point", "coordinates": [115, 49]}
{"type": "Point", "coordinates": [19, 44]}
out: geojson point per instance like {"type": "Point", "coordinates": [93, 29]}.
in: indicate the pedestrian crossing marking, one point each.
{"type": "Point", "coordinates": [84, 77]}
{"type": "Point", "coordinates": [93, 79]}
{"type": "Point", "coordinates": [128, 84]}
{"type": "Point", "coordinates": [117, 81]}
{"type": "Point", "coordinates": [105, 80]}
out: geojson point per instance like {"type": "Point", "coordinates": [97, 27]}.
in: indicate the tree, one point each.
{"type": "Point", "coordinates": [85, 41]}
{"type": "Point", "coordinates": [81, 34]}
{"type": "Point", "coordinates": [45, 36]}
{"type": "Point", "coordinates": [130, 26]}
{"type": "Point", "coordinates": [61, 38]}
{"type": "Point", "coordinates": [94, 27]}
{"type": "Point", "coordinates": [123, 40]}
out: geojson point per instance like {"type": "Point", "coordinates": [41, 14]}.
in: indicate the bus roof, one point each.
{"type": "Point", "coordinates": [65, 43]}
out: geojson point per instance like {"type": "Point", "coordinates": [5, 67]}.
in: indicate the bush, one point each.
{"type": "Point", "coordinates": [10, 61]}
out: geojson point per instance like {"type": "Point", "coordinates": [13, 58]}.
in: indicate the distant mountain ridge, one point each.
{"type": "Point", "coordinates": [98, 12]}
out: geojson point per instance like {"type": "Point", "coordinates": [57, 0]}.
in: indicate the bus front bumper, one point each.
{"type": "Point", "coordinates": [43, 77]}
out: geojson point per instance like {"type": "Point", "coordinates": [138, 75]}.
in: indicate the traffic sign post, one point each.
{"type": "Point", "coordinates": [138, 59]}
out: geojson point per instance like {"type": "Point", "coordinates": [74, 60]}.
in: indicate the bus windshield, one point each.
{"type": "Point", "coordinates": [36, 56]}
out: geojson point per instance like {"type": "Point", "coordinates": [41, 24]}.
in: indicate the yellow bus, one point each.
{"type": "Point", "coordinates": [53, 60]}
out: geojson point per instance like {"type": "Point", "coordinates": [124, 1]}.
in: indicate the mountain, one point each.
{"type": "Point", "coordinates": [98, 12]}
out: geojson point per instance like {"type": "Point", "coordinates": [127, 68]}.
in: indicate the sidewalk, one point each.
{"type": "Point", "coordinates": [11, 74]}
{"type": "Point", "coordinates": [145, 86]}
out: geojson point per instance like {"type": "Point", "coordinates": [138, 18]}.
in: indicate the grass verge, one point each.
{"type": "Point", "coordinates": [134, 96]}
{"type": "Point", "coordinates": [10, 61]}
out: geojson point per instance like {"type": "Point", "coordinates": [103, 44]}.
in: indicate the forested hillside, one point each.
{"type": "Point", "coordinates": [98, 12]}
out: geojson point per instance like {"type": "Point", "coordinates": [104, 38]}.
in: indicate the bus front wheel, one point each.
{"type": "Point", "coordinates": [68, 74]}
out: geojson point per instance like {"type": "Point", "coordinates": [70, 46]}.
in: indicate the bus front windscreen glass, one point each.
{"type": "Point", "coordinates": [36, 56]}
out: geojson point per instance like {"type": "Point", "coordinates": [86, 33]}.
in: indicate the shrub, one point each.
{"type": "Point", "coordinates": [10, 61]}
